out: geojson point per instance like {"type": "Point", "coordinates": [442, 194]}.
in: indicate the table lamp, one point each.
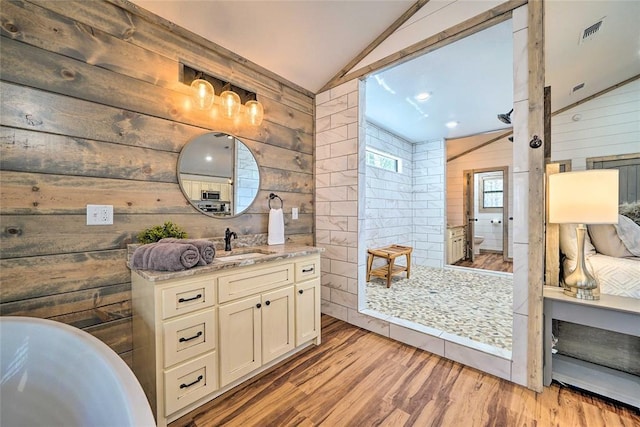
{"type": "Point", "coordinates": [583, 197]}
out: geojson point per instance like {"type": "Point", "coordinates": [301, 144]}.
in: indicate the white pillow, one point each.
{"type": "Point", "coordinates": [607, 242]}
{"type": "Point", "coordinates": [569, 242]}
{"type": "Point", "coordinates": [629, 232]}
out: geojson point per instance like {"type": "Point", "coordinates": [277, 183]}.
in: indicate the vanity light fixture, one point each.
{"type": "Point", "coordinates": [203, 93]}
{"type": "Point", "coordinates": [230, 101]}
{"type": "Point", "coordinates": [254, 111]}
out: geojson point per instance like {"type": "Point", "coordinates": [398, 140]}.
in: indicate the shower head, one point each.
{"type": "Point", "coordinates": [505, 118]}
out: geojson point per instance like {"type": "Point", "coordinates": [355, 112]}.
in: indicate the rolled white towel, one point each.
{"type": "Point", "coordinates": [276, 227]}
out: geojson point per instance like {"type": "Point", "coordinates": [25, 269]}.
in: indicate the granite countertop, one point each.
{"type": "Point", "coordinates": [271, 253]}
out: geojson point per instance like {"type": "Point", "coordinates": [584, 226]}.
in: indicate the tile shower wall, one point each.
{"type": "Point", "coordinates": [337, 162]}
{"type": "Point", "coordinates": [389, 194]}
{"type": "Point", "coordinates": [406, 208]}
{"type": "Point", "coordinates": [429, 198]}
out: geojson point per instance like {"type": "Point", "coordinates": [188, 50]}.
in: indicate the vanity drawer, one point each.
{"type": "Point", "coordinates": [309, 269]}
{"type": "Point", "coordinates": [187, 295]}
{"type": "Point", "coordinates": [187, 383]}
{"type": "Point", "coordinates": [189, 336]}
{"type": "Point", "coordinates": [456, 232]}
{"type": "Point", "coordinates": [253, 281]}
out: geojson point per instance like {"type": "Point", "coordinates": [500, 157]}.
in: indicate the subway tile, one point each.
{"type": "Point", "coordinates": [343, 148]}
{"type": "Point", "coordinates": [369, 323]}
{"type": "Point", "coordinates": [347, 177]}
{"type": "Point", "coordinates": [423, 341]}
{"type": "Point", "coordinates": [344, 88]}
{"type": "Point", "coordinates": [331, 165]}
{"type": "Point", "coordinates": [349, 208]}
{"type": "Point", "coordinates": [344, 298]}
{"type": "Point", "coordinates": [344, 238]}
{"type": "Point", "coordinates": [344, 117]}
{"type": "Point", "coordinates": [331, 222]}
{"type": "Point", "coordinates": [334, 281]}
{"type": "Point", "coordinates": [331, 136]}
{"type": "Point", "coordinates": [323, 124]}
{"type": "Point", "coordinates": [494, 365]}
{"type": "Point", "coordinates": [334, 106]}
{"type": "Point", "coordinates": [323, 97]}
{"type": "Point", "coordinates": [335, 310]}
{"type": "Point", "coordinates": [331, 194]}
{"type": "Point", "coordinates": [323, 180]}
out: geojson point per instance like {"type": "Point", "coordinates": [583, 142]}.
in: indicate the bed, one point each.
{"type": "Point", "coordinates": [612, 254]}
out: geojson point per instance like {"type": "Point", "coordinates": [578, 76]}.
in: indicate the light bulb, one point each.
{"type": "Point", "coordinates": [203, 93]}
{"type": "Point", "coordinates": [230, 102]}
{"type": "Point", "coordinates": [255, 112]}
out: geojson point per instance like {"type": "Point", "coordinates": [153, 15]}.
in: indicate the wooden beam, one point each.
{"type": "Point", "coordinates": [536, 196]}
{"type": "Point", "coordinates": [484, 144]}
{"type": "Point", "coordinates": [470, 26]}
{"type": "Point", "coordinates": [374, 44]}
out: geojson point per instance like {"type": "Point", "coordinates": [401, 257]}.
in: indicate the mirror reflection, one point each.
{"type": "Point", "coordinates": [218, 174]}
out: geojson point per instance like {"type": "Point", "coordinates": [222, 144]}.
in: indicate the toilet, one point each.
{"type": "Point", "coordinates": [477, 240]}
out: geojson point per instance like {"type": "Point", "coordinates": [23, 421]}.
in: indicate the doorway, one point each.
{"type": "Point", "coordinates": [486, 214]}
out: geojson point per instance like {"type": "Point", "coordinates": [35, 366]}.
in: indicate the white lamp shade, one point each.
{"type": "Point", "coordinates": [584, 197]}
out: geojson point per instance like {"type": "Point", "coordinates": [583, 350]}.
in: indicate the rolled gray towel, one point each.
{"type": "Point", "coordinates": [165, 257]}
{"type": "Point", "coordinates": [204, 246]}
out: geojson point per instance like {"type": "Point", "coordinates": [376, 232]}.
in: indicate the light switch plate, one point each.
{"type": "Point", "coordinates": [99, 214]}
{"type": "Point", "coordinates": [294, 213]}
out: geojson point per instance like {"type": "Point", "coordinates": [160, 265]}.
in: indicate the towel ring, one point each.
{"type": "Point", "coordinates": [275, 196]}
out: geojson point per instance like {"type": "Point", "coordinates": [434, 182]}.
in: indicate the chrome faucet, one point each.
{"type": "Point", "coordinates": [228, 235]}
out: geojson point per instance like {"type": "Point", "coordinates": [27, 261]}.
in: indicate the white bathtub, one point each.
{"type": "Point", "coordinates": [53, 374]}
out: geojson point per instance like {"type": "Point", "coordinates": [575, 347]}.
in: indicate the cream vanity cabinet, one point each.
{"type": "Point", "coordinates": [455, 244]}
{"type": "Point", "coordinates": [198, 336]}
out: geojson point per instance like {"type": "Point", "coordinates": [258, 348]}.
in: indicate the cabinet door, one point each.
{"type": "Point", "coordinates": [308, 311]}
{"type": "Point", "coordinates": [240, 343]}
{"type": "Point", "coordinates": [277, 323]}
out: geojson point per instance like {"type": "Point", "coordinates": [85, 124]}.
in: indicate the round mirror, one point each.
{"type": "Point", "coordinates": [218, 174]}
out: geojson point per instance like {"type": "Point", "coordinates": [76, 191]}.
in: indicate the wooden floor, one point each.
{"type": "Point", "coordinates": [488, 261]}
{"type": "Point", "coordinates": [358, 378]}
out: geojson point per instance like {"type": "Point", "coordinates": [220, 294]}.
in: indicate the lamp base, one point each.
{"type": "Point", "coordinates": [589, 294]}
{"type": "Point", "coordinates": [580, 283]}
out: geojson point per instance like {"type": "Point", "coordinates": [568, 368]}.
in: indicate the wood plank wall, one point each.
{"type": "Point", "coordinates": [92, 112]}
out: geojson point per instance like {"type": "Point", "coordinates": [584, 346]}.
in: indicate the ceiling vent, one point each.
{"type": "Point", "coordinates": [590, 32]}
{"type": "Point", "coordinates": [577, 88]}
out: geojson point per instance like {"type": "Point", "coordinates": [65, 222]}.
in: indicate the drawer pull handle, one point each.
{"type": "Point", "coordinates": [301, 291]}
{"type": "Point", "coordinates": [258, 305]}
{"type": "Point", "coordinates": [190, 299]}
{"type": "Point", "coordinates": [190, 384]}
{"type": "Point", "coordinates": [267, 302]}
{"type": "Point", "coordinates": [183, 339]}
{"type": "Point", "coordinates": [307, 270]}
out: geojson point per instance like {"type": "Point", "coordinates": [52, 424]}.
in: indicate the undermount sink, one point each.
{"type": "Point", "coordinates": [244, 253]}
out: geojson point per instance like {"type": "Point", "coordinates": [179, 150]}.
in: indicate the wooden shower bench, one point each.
{"type": "Point", "coordinates": [390, 253]}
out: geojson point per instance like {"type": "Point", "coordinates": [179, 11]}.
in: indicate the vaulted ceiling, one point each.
{"type": "Point", "coordinates": [308, 41]}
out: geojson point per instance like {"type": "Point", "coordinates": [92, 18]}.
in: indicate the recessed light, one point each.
{"type": "Point", "coordinates": [208, 158]}
{"type": "Point", "coordinates": [422, 96]}
{"type": "Point", "coordinates": [451, 124]}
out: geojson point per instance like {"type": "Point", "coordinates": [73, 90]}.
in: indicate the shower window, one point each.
{"type": "Point", "coordinates": [383, 160]}
{"type": "Point", "coordinates": [492, 194]}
